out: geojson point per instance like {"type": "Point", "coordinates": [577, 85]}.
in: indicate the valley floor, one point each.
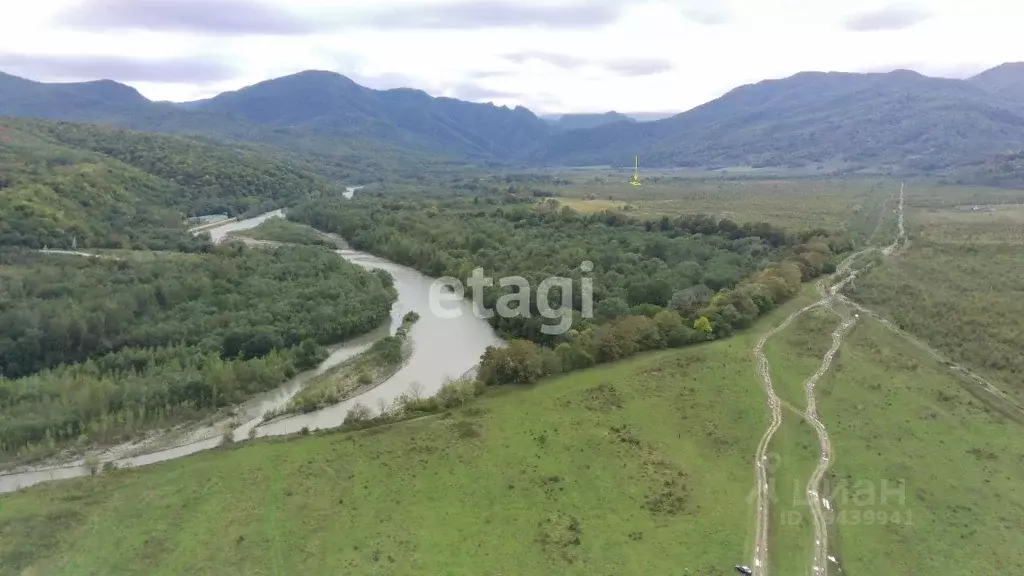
{"type": "Point", "coordinates": [641, 467]}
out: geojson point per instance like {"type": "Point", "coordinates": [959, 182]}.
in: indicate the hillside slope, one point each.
{"type": "Point", "coordinates": [1007, 80]}
{"type": "Point", "coordinates": [331, 104]}
{"type": "Point", "coordinates": [898, 118]}
{"type": "Point", "coordinates": [102, 187]}
{"type": "Point", "coordinates": [578, 121]}
{"type": "Point", "coordinates": [356, 155]}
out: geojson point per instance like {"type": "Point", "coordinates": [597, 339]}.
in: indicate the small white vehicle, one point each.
{"type": "Point", "coordinates": [744, 570]}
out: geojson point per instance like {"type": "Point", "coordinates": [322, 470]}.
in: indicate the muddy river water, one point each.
{"type": "Point", "coordinates": [444, 345]}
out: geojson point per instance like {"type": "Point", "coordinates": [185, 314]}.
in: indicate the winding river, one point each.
{"type": "Point", "coordinates": [443, 346]}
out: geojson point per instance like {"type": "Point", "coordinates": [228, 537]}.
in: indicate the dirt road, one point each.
{"type": "Point", "coordinates": [77, 253]}
{"type": "Point", "coordinates": [815, 501]}
{"type": "Point", "coordinates": [829, 289]}
{"type": "Point", "coordinates": [760, 566]}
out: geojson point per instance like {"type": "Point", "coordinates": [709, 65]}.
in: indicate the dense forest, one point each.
{"type": "Point", "coordinates": [55, 196]}
{"type": "Point", "coordinates": [99, 347]}
{"type": "Point", "coordinates": [214, 179]}
{"type": "Point", "coordinates": [696, 277]}
{"type": "Point", "coordinates": [64, 184]}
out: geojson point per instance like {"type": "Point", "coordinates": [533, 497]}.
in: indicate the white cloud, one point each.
{"type": "Point", "coordinates": [692, 50]}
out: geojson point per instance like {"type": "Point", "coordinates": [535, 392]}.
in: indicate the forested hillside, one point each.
{"type": "Point", "coordinates": [101, 187]}
{"type": "Point", "coordinates": [53, 195]}
{"type": "Point", "coordinates": [327, 103]}
{"type": "Point", "coordinates": [215, 179]}
{"type": "Point", "coordinates": [1006, 80]}
{"type": "Point", "coordinates": [900, 119]}
{"type": "Point", "coordinates": [99, 348]}
{"type": "Point", "coordinates": [578, 121]}
{"type": "Point", "coordinates": [1004, 170]}
{"type": "Point", "coordinates": [356, 156]}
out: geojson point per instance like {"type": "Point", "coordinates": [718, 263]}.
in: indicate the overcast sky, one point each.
{"type": "Point", "coordinates": [551, 56]}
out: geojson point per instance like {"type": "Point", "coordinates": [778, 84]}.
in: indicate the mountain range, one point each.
{"type": "Point", "coordinates": [898, 120]}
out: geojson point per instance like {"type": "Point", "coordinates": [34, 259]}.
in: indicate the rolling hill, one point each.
{"type": "Point", "coordinates": [104, 187]}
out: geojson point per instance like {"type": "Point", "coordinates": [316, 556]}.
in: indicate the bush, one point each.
{"type": "Point", "coordinates": [358, 414]}
{"type": "Point", "coordinates": [93, 464]}
{"type": "Point", "coordinates": [456, 393]}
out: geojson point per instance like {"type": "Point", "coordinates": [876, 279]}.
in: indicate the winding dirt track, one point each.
{"type": "Point", "coordinates": [843, 275]}
{"type": "Point", "coordinates": [814, 501]}
{"type": "Point", "coordinates": [761, 457]}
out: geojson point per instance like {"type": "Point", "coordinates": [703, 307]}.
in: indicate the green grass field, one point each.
{"type": "Point", "coordinates": [926, 479]}
{"type": "Point", "coordinates": [281, 230]}
{"type": "Point", "coordinates": [642, 467]}
{"type": "Point", "coordinates": [960, 283]}
{"type": "Point", "coordinates": [796, 204]}
{"type": "Point", "coordinates": [588, 206]}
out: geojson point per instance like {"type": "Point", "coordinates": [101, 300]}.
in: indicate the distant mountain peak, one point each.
{"type": "Point", "coordinates": [581, 120]}
{"type": "Point", "coordinates": [312, 73]}
{"type": "Point", "coordinates": [1007, 80]}
{"type": "Point", "coordinates": [1004, 67]}
{"type": "Point", "coordinates": [109, 89]}
{"type": "Point", "coordinates": [906, 73]}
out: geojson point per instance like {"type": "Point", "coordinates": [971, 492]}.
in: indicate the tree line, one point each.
{"type": "Point", "coordinates": [656, 283]}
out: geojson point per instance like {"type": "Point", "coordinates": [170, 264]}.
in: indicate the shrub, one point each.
{"type": "Point", "coordinates": [358, 413]}
{"type": "Point", "coordinates": [93, 464]}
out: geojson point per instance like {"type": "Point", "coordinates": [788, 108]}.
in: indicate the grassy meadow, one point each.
{"type": "Point", "coordinates": [926, 479]}
{"type": "Point", "coordinates": [960, 283]}
{"type": "Point", "coordinates": [281, 230]}
{"type": "Point", "coordinates": [796, 204]}
{"type": "Point", "coordinates": [640, 467]}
